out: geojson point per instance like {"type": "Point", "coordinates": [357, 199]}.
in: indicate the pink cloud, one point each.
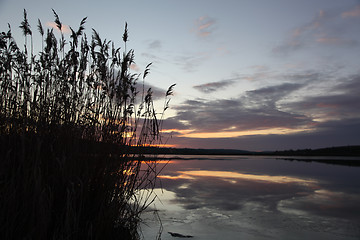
{"type": "Point", "coordinates": [204, 26]}
{"type": "Point", "coordinates": [313, 25]}
{"type": "Point", "coordinates": [335, 40]}
{"type": "Point", "coordinates": [134, 67]}
{"type": "Point", "coordinates": [297, 32]}
{"type": "Point", "coordinates": [328, 40]}
{"type": "Point", "coordinates": [326, 105]}
{"type": "Point", "coordinates": [352, 13]}
{"type": "Point", "coordinates": [302, 35]}
{"type": "Point", "coordinates": [320, 30]}
{"type": "Point", "coordinates": [222, 50]}
{"type": "Point", "coordinates": [64, 28]}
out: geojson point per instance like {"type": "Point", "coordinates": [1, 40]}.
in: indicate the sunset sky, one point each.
{"type": "Point", "coordinates": [252, 75]}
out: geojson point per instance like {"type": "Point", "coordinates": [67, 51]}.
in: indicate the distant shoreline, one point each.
{"type": "Point", "coordinates": [334, 160]}
{"type": "Point", "coordinates": [343, 151]}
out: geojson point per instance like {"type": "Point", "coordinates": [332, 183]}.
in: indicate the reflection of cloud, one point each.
{"type": "Point", "coordinates": [213, 189]}
{"type": "Point", "coordinates": [326, 203]}
{"type": "Point", "coordinates": [240, 176]}
{"type": "Point", "coordinates": [273, 185]}
{"type": "Point", "coordinates": [181, 176]}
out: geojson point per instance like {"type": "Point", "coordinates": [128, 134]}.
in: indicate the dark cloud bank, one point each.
{"type": "Point", "coordinates": [267, 108]}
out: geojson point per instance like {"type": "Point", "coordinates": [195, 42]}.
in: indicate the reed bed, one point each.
{"type": "Point", "coordinates": [72, 123]}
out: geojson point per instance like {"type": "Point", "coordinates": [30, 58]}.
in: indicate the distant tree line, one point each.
{"type": "Point", "coordinates": [331, 151]}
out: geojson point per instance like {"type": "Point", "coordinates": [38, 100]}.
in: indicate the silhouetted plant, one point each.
{"type": "Point", "coordinates": [71, 136]}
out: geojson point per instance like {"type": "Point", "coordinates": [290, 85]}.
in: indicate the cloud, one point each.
{"type": "Point", "coordinates": [269, 96]}
{"type": "Point", "coordinates": [204, 26]}
{"type": "Point", "coordinates": [337, 41]}
{"type": "Point", "coordinates": [174, 125]}
{"type": "Point", "coordinates": [64, 28]}
{"type": "Point", "coordinates": [134, 67]}
{"type": "Point", "coordinates": [191, 62]}
{"type": "Point", "coordinates": [157, 93]}
{"type": "Point", "coordinates": [214, 86]}
{"type": "Point", "coordinates": [153, 58]}
{"type": "Point", "coordinates": [275, 117]}
{"type": "Point", "coordinates": [352, 13]}
{"type": "Point", "coordinates": [259, 73]}
{"type": "Point", "coordinates": [333, 133]}
{"type": "Point", "coordinates": [340, 101]}
{"type": "Point", "coordinates": [155, 44]}
{"type": "Point", "coordinates": [326, 28]}
{"type": "Point", "coordinates": [260, 67]}
{"type": "Point", "coordinates": [254, 111]}
{"type": "Point", "coordinates": [300, 35]}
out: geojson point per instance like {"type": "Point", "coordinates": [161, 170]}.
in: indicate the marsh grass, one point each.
{"type": "Point", "coordinates": [72, 124]}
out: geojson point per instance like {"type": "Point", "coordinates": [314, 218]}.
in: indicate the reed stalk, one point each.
{"type": "Point", "coordinates": [71, 132]}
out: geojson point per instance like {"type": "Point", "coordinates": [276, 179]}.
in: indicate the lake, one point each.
{"type": "Point", "coordinates": [255, 197]}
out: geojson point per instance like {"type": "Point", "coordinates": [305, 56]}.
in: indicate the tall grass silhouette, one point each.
{"type": "Point", "coordinates": [72, 124]}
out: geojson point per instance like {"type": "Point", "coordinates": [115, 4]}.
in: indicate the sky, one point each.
{"type": "Point", "coordinates": [250, 74]}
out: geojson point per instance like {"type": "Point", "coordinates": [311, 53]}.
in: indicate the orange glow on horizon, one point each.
{"type": "Point", "coordinates": [167, 145]}
{"type": "Point", "coordinates": [158, 161]}
{"type": "Point", "coordinates": [158, 145]}
{"type": "Point", "coordinates": [230, 134]}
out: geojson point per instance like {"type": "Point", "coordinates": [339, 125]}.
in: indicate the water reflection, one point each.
{"type": "Point", "coordinates": [226, 175]}
{"type": "Point", "coordinates": [230, 190]}
{"type": "Point", "coordinates": [326, 203]}
{"type": "Point", "coordinates": [255, 195]}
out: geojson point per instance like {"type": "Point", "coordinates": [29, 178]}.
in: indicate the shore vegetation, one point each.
{"type": "Point", "coordinates": [69, 117]}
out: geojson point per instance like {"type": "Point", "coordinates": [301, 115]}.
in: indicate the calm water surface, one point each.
{"type": "Point", "coordinates": [241, 197]}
